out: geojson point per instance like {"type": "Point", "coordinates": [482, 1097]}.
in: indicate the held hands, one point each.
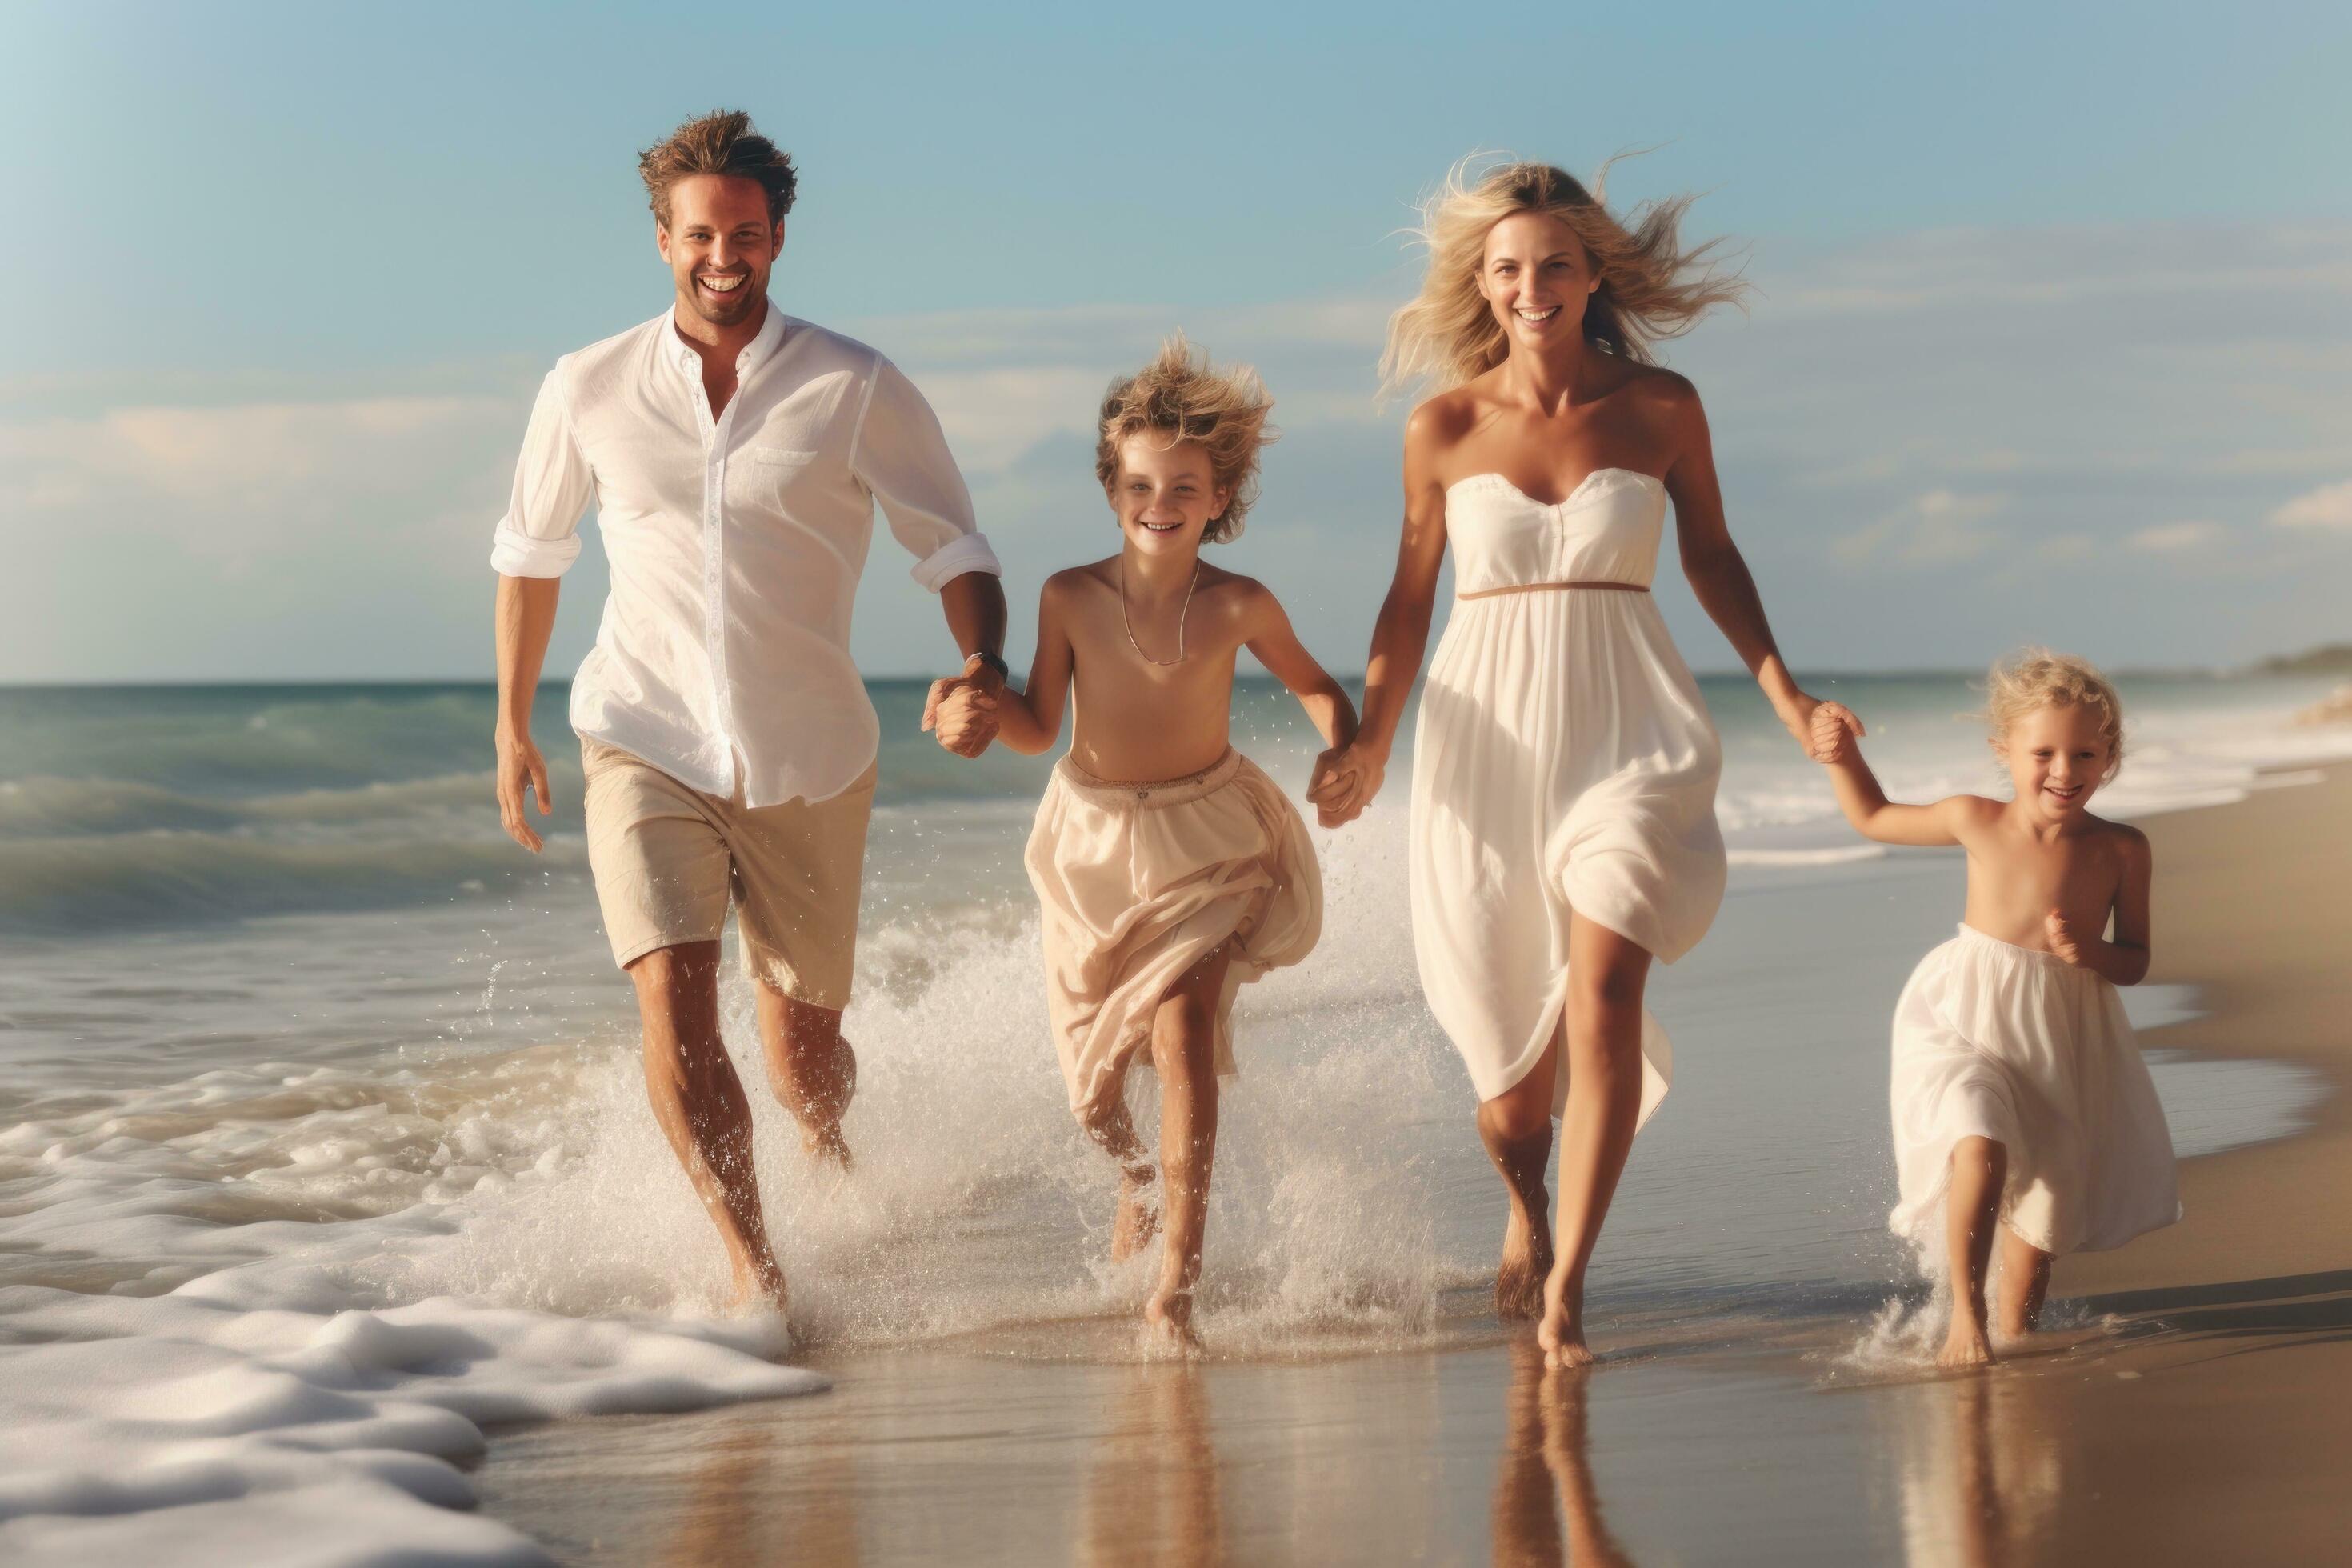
{"type": "Point", "coordinates": [519, 759]}
{"type": "Point", "coordinates": [1344, 781]}
{"type": "Point", "coordinates": [1827, 731]}
{"type": "Point", "coordinates": [2063, 938]}
{"type": "Point", "coordinates": [961, 710]}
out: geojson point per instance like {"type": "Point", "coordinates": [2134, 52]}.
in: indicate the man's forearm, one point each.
{"type": "Point", "coordinates": [974, 602]}
{"type": "Point", "coordinates": [522, 623]}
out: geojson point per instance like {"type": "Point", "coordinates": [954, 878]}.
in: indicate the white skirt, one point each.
{"type": "Point", "coordinates": [1137, 883]}
{"type": "Point", "coordinates": [1993, 1040]}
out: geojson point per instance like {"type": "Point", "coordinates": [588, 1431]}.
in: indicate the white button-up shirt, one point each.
{"type": "Point", "coordinates": [735, 545]}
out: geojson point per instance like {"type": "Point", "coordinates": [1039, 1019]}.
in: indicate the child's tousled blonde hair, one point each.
{"type": "Point", "coordinates": [1179, 396]}
{"type": "Point", "coordinates": [2034, 678]}
{"type": "Point", "coordinates": [1651, 287]}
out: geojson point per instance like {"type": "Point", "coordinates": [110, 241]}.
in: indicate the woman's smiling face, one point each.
{"type": "Point", "coordinates": [1535, 276]}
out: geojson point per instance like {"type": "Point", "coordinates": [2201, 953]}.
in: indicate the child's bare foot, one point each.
{"type": "Point", "coordinates": [1561, 1332]}
{"type": "Point", "coordinates": [1527, 1263]}
{"type": "Point", "coordinates": [1168, 1318]}
{"type": "Point", "coordinates": [1965, 1346]}
{"type": "Point", "coordinates": [1138, 1219]}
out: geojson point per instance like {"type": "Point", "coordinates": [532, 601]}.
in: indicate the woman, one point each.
{"type": "Point", "coordinates": [1564, 767]}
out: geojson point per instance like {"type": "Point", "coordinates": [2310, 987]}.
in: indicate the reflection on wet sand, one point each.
{"type": "Point", "coordinates": [734, 1514]}
{"type": "Point", "coordinates": [1151, 1492]}
{"type": "Point", "coordinates": [1546, 1476]}
{"type": "Point", "coordinates": [1982, 1468]}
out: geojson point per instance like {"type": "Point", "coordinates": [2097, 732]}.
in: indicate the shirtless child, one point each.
{"type": "Point", "coordinates": [1171, 869]}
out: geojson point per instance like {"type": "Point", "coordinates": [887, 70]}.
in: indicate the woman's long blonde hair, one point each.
{"type": "Point", "coordinates": [1650, 287]}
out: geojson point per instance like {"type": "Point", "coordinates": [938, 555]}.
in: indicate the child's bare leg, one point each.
{"type": "Point", "coordinates": [1516, 1127]}
{"type": "Point", "coordinates": [1183, 1050]}
{"type": "Point", "coordinates": [2024, 1281]}
{"type": "Point", "coordinates": [1607, 973]}
{"type": "Point", "coordinates": [1137, 1218]}
{"type": "Point", "coordinates": [1971, 1207]}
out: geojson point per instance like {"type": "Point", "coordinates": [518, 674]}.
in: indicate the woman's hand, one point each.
{"type": "Point", "coordinates": [1826, 729]}
{"type": "Point", "coordinates": [1344, 781]}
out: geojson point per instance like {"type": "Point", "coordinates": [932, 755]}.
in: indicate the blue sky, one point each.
{"type": "Point", "coordinates": [2053, 336]}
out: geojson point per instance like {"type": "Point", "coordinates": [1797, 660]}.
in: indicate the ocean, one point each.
{"type": "Point", "coordinates": [323, 1148]}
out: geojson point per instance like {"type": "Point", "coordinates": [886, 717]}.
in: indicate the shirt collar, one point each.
{"type": "Point", "coordinates": [764, 343]}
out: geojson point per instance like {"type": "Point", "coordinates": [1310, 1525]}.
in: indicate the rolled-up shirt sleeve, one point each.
{"type": "Point", "coordinates": [539, 535]}
{"type": "Point", "coordinates": [900, 455]}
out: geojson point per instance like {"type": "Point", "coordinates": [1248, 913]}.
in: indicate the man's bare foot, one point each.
{"type": "Point", "coordinates": [1527, 1263]}
{"type": "Point", "coordinates": [1138, 1219]}
{"type": "Point", "coordinates": [1965, 1346]}
{"type": "Point", "coordinates": [759, 1286]}
{"type": "Point", "coordinates": [1561, 1332]}
{"type": "Point", "coordinates": [1168, 1318]}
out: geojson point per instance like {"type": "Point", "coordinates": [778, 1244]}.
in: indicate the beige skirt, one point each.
{"type": "Point", "coordinates": [1137, 882]}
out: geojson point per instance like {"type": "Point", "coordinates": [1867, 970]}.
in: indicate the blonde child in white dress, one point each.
{"type": "Point", "coordinates": [1169, 869]}
{"type": "Point", "coordinates": [2019, 1096]}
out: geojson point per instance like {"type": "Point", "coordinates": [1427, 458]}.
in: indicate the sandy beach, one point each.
{"type": "Point", "coordinates": [2187, 1407]}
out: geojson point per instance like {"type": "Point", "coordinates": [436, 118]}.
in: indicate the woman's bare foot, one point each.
{"type": "Point", "coordinates": [1168, 1318]}
{"type": "Point", "coordinates": [1965, 1346]}
{"type": "Point", "coordinates": [1527, 1263]}
{"type": "Point", "coordinates": [1561, 1332]}
{"type": "Point", "coordinates": [1138, 1219]}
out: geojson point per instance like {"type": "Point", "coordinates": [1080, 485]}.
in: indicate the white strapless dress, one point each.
{"type": "Point", "coordinates": [1563, 761]}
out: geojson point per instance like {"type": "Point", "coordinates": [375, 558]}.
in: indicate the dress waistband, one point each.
{"type": "Point", "coordinates": [1144, 795]}
{"type": "Point", "coordinates": [1552, 588]}
{"type": "Point", "coordinates": [1970, 933]}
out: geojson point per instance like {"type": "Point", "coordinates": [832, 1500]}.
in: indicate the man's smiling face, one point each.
{"type": "Point", "coordinates": [720, 246]}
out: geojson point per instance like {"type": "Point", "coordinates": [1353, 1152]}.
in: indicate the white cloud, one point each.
{"type": "Point", "coordinates": [2171, 538]}
{"type": "Point", "coordinates": [1937, 528]}
{"type": "Point", "coordinates": [2330, 506]}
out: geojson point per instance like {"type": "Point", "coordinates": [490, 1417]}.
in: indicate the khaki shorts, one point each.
{"type": "Point", "coordinates": [669, 859]}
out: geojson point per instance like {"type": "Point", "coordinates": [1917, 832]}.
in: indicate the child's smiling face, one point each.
{"type": "Point", "coordinates": [2057, 757]}
{"type": "Point", "coordinates": [1164, 495]}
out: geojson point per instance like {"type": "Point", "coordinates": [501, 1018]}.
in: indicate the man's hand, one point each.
{"type": "Point", "coordinates": [519, 759]}
{"type": "Point", "coordinates": [961, 710]}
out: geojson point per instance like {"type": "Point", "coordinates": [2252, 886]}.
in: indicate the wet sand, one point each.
{"type": "Point", "coordinates": [2193, 1411]}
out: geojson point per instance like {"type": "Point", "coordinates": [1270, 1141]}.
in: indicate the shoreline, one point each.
{"type": "Point", "coordinates": [2141, 1428]}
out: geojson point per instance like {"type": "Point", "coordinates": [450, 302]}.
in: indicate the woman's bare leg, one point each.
{"type": "Point", "coordinates": [1516, 1127]}
{"type": "Point", "coordinates": [2024, 1281]}
{"type": "Point", "coordinates": [1971, 1207]}
{"type": "Point", "coordinates": [1607, 974]}
{"type": "Point", "coordinates": [1185, 1052]}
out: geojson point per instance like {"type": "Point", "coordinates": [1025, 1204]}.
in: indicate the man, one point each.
{"type": "Point", "coordinates": [734, 456]}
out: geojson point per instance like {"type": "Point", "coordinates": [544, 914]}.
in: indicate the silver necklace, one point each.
{"type": "Point", "coordinates": [1180, 615]}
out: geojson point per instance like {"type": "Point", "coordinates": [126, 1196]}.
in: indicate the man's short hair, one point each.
{"type": "Point", "coordinates": [720, 142]}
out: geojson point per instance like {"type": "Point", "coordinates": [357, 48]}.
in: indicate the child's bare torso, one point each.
{"type": "Point", "coordinates": [1136, 720]}
{"type": "Point", "coordinates": [2016, 877]}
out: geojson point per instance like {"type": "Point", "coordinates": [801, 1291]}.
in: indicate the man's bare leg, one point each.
{"type": "Point", "coordinates": [1607, 973]}
{"type": "Point", "coordinates": [2024, 1281]}
{"type": "Point", "coordinates": [811, 1067]}
{"type": "Point", "coordinates": [1516, 1127]}
{"type": "Point", "coordinates": [1137, 1219]}
{"type": "Point", "coordinates": [700, 1104]}
{"type": "Point", "coordinates": [1971, 1206]}
{"type": "Point", "coordinates": [1183, 1051]}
